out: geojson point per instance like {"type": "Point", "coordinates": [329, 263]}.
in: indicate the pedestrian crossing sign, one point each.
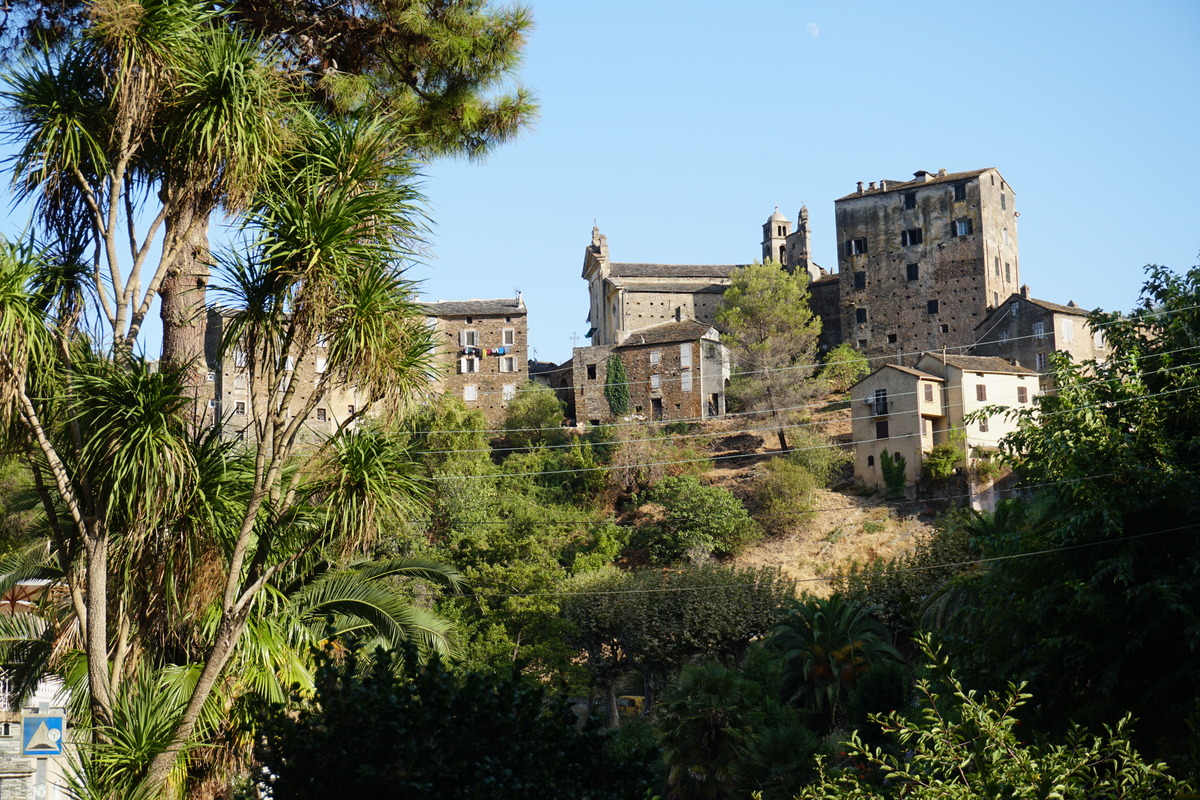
{"type": "Point", "coordinates": [42, 735]}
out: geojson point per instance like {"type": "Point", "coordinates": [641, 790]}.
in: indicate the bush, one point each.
{"type": "Point", "coordinates": [784, 494]}
{"type": "Point", "coordinates": [818, 454]}
{"type": "Point", "coordinates": [534, 416]}
{"type": "Point", "coordinates": [940, 462]}
{"type": "Point", "coordinates": [697, 521]}
{"type": "Point", "coordinates": [844, 367]}
{"type": "Point", "coordinates": [893, 467]}
{"type": "Point", "coordinates": [616, 386]}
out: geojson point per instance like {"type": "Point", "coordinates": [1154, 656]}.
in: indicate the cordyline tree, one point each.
{"type": "Point", "coordinates": [173, 546]}
{"type": "Point", "coordinates": [440, 71]}
{"type": "Point", "coordinates": [767, 322]}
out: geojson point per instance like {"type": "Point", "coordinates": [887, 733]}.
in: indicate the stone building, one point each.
{"type": "Point", "coordinates": [793, 251]}
{"type": "Point", "coordinates": [231, 404]}
{"type": "Point", "coordinates": [921, 262]}
{"type": "Point", "coordinates": [624, 298]}
{"type": "Point", "coordinates": [482, 349]}
{"type": "Point", "coordinates": [1028, 330]}
{"type": "Point", "coordinates": [675, 371]}
{"type": "Point", "coordinates": [910, 410]}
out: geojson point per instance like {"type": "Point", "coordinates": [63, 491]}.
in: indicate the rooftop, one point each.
{"type": "Point", "coordinates": [673, 270]}
{"type": "Point", "coordinates": [686, 331]}
{"type": "Point", "coordinates": [929, 179]}
{"type": "Point", "coordinates": [508, 306]}
{"type": "Point", "coordinates": [981, 364]}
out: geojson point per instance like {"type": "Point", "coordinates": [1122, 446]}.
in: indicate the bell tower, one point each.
{"type": "Point", "coordinates": [775, 234]}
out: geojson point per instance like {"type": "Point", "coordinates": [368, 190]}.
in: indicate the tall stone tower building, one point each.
{"type": "Point", "coordinates": [791, 249]}
{"type": "Point", "coordinates": [921, 262]}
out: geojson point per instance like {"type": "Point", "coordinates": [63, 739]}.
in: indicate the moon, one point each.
{"type": "Point", "coordinates": [813, 30]}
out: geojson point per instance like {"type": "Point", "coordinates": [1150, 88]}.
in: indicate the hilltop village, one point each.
{"type": "Point", "coordinates": [927, 286]}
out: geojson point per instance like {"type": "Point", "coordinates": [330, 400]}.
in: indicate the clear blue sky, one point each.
{"type": "Point", "coordinates": [678, 126]}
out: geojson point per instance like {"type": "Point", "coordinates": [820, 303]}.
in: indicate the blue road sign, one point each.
{"type": "Point", "coordinates": [42, 735]}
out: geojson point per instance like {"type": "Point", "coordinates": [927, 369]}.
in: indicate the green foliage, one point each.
{"type": "Point", "coordinates": [784, 494]}
{"type": "Point", "coordinates": [894, 479]}
{"type": "Point", "coordinates": [767, 322]}
{"type": "Point", "coordinates": [616, 386]}
{"type": "Point", "coordinates": [657, 621]}
{"type": "Point", "coordinates": [966, 745]}
{"type": "Point", "coordinates": [939, 463]}
{"type": "Point", "coordinates": [435, 733]}
{"type": "Point", "coordinates": [534, 417]}
{"type": "Point", "coordinates": [696, 521]}
{"type": "Point", "coordinates": [827, 646]}
{"type": "Point", "coordinates": [843, 367]}
{"type": "Point", "coordinates": [818, 454]}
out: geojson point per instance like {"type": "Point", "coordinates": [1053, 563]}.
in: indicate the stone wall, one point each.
{"type": "Point", "coordinates": [486, 380]}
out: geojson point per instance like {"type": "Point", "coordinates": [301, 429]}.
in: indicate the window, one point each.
{"type": "Point", "coordinates": [470, 393]}
{"type": "Point", "coordinates": [860, 315]}
{"type": "Point", "coordinates": [962, 227]}
{"type": "Point", "coordinates": [322, 362]}
{"type": "Point", "coordinates": [980, 392]}
{"type": "Point", "coordinates": [685, 380]}
{"type": "Point", "coordinates": [881, 429]}
{"type": "Point", "coordinates": [914, 271]}
{"type": "Point", "coordinates": [891, 338]}
{"type": "Point", "coordinates": [1039, 330]}
{"type": "Point", "coordinates": [508, 363]}
{"type": "Point", "coordinates": [239, 358]}
{"type": "Point", "coordinates": [239, 408]}
{"type": "Point", "coordinates": [1003, 201]}
{"type": "Point", "coordinates": [924, 426]}
{"type": "Point", "coordinates": [1039, 362]}
{"type": "Point", "coordinates": [910, 199]}
{"type": "Point", "coordinates": [212, 403]}
{"type": "Point", "coordinates": [860, 280]}
{"type": "Point", "coordinates": [685, 355]}
{"type": "Point", "coordinates": [591, 372]}
{"type": "Point", "coordinates": [1004, 235]}
{"type": "Point", "coordinates": [212, 376]}
{"type": "Point", "coordinates": [995, 298]}
{"type": "Point", "coordinates": [862, 344]}
{"type": "Point", "coordinates": [1022, 394]}
{"type": "Point", "coordinates": [931, 307]}
{"type": "Point", "coordinates": [510, 391]}
{"type": "Point", "coordinates": [910, 237]}
{"type": "Point", "coordinates": [983, 425]}
{"type": "Point", "coordinates": [350, 410]}
{"type": "Point", "coordinates": [960, 192]}
{"type": "Point", "coordinates": [1007, 272]}
{"type": "Point", "coordinates": [856, 247]}
{"type": "Point", "coordinates": [321, 417]}
{"type": "Point", "coordinates": [1068, 331]}
{"type": "Point", "coordinates": [945, 328]}
{"type": "Point", "coordinates": [881, 402]}
{"type": "Point", "coordinates": [1014, 309]}
{"type": "Point", "coordinates": [996, 270]}
{"type": "Point", "coordinates": [323, 338]}
{"type": "Point", "coordinates": [469, 337]}
{"type": "Point", "coordinates": [467, 365]}
{"type": "Point", "coordinates": [929, 393]}
{"type": "Point", "coordinates": [655, 356]}
{"type": "Point", "coordinates": [656, 381]}
{"type": "Point", "coordinates": [508, 336]}
{"type": "Point", "coordinates": [870, 461]}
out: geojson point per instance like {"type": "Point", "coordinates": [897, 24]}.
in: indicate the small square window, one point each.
{"type": "Point", "coordinates": [212, 376]}
{"type": "Point", "coordinates": [881, 429]}
{"type": "Point", "coordinates": [862, 344]}
{"type": "Point", "coordinates": [910, 199]}
{"type": "Point", "coordinates": [856, 247]}
{"type": "Point", "coordinates": [960, 192]}
{"type": "Point", "coordinates": [470, 393]}
{"type": "Point", "coordinates": [510, 391]}
{"type": "Point", "coordinates": [350, 410]}
{"type": "Point", "coordinates": [870, 461]}
{"type": "Point", "coordinates": [860, 315]}
{"type": "Point", "coordinates": [239, 408]}
{"type": "Point", "coordinates": [910, 237]}
{"type": "Point", "coordinates": [963, 227]}
{"type": "Point", "coordinates": [508, 336]}
{"type": "Point", "coordinates": [931, 307]}
{"type": "Point", "coordinates": [468, 365]}
{"type": "Point", "coordinates": [468, 338]}
{"type": "Point", "coordinates": [508, 364]}
{"type": "Point", "coordinates": [945, 328]}
{"type": "Point", "coordinates": [914, 271]}
{"type": "Point", "coordinates": [655, 381]}
{"type": "Point", "coordinates": [591, 372]}
{"type": "Point", "coordinates": [891, 338]}
{"type": "Point", "coordinates": [860, 280]}
{"type": "Point", "coordinates": [321, 417]}
{"type": "Point", "coordinates": [655, 356]}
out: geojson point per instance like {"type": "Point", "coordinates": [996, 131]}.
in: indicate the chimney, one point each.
{"type": "Point", "coordinates": [1025, 291]}
{"type": "Point", "coordinates": [942, 172]}
{"type": "Point", "coordinates": [860, 187]}
{"type": "Point", "coordinates": [871, 188]}
{"type": "Point", "coordinates": [1071, 303]}
{"type": "Point", "coordinates": [883, 186]}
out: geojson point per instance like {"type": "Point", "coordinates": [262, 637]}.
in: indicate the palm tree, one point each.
{"type": "Point", "coordinates": [827, 645]}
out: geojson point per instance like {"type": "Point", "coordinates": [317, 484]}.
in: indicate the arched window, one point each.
{"type": "Point", "coordinates": [781, 252]}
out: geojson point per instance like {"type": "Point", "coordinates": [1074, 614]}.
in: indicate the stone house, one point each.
{"type": "Point", "coordinates": [911, 410]}
{"type": "Point", "coordinates": [482, 351]}
{"type": "Point", "coordinates": [675, 371]}
{"type": "Point", "coordinates": [1028, 330]}
{"type": "Point", "coordinates": [231, 404]}
{"type": "Point", "coordinates": [921, 262]}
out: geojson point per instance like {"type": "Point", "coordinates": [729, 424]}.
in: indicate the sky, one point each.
{"type": "Point", "coordinates": [677, 127]}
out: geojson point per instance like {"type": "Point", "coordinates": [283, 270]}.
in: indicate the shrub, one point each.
{"type": "Point", "coordinates": [893, 467]}
{"type": "Point", "coordinates": [784, 494]}
{"type": "Point", "coordinates": [534, 417]}
{"type": "Point", "coordinates": [844, 366]}
{"type": "Point", "coordinates": [616, 386]}
{"type": "Point", "coordinates": [697, 520]}
{"type": "Point", "coordinates": [818, 454]}
{"type": "Point", "coordinates": [939, 463]}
